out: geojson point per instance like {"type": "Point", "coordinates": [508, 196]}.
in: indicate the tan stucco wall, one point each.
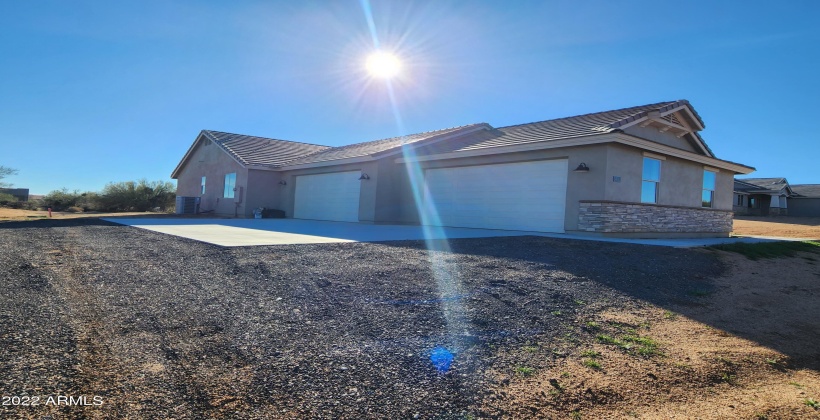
{"type": "Point", "coordinates": [667, 138]}
{"type": "Point", "coordinates": [212, 162]}
{"type": "Point", "coordinates": [680, 185]}
{"type": "Point", "coordinates": [263, 190]}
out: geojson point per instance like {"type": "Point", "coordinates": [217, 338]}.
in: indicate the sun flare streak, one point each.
{"type": "Point", "coordinates": [445, 273]}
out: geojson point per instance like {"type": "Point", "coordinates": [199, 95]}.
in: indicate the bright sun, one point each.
{"type": "Point", "coordinates": [383, 65]}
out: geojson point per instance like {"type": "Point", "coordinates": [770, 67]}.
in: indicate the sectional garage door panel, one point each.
{"type": "Point", "coordinates": [514, 196]}
{"type": "Point", "coordinates": [333, 196]}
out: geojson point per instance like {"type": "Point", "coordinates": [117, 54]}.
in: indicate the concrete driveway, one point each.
{"type": "Point", "coordinates": [249, 232]}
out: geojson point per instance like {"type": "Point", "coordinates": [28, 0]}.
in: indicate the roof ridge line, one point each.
{"type": "Point", "coordinates": [590, 113]}
{"type": "Point", "coordinates": [420, 133]}
{"type": "Point", "coordinates": [425, 134]}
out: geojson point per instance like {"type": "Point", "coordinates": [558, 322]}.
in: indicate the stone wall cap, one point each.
{"type": "Point", "coordinates": [634, 204]}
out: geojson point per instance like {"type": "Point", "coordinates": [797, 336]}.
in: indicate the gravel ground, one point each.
{"type": "Point", "coordinates": [157, 326]}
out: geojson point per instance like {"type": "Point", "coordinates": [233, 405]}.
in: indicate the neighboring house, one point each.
{"type": "Point", "coordinates": [762, 196]}
{"type": "Point", "coordinates": [21, 194]}
{"type": "Point", "coordinates": [642, 171]}
{"type": "Point", "coordinates": [805, 201]}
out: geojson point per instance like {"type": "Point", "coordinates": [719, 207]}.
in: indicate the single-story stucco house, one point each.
{"type": "Point", "coordinates": [762, 196]}
{"type": "Point", "coordinates": [805, 201]}
{"type": "Point", "coordinates": [642, 171]}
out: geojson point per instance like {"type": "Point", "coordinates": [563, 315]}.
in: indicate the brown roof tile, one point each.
{"type": "Point", "coordinates": [557, 129]}
{"type": "Point", "coordinates": [252, 150]}
{"type": "Point", "coordinates": [378, 146]}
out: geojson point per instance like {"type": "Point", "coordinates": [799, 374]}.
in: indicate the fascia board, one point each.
{"type": "Point", "coordinates": [358, 159]}
{"type": "Point", "coordinates": [187, 156]}
{"type": "Point", "coordinates": [262, 168]}
{"type": "Point", "coordinates": [698, 141]}
{"type": "Point", "coordinates": [526, 147]}
{"type": "Point", "coordinates": [682, 154]}
{"type": "Point", "coordinates": [589, 140]}
{"type": "Point", "coordinates": [689, 112]}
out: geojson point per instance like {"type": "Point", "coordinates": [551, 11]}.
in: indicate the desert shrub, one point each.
{"type": "Point", "coordinates": [8, 200]}
{"type": "Point", "coordinates": [89, 201]}
{"type": "Point", "coordinates": [75, 209]}
{"type": "Point", "coordinates": [62, 199]}
{"type": "Point", "coordinates": [139, 195]}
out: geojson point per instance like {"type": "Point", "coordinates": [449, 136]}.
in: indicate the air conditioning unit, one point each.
{"type": "Point", "coordinates": [187, 205]}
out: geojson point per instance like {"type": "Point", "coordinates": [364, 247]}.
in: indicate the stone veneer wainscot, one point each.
{"type": "Point", "coordinates": [624, 217]}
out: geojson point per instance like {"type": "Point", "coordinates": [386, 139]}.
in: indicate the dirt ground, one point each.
{"type": "Point", "coordinates": [755, 358]}
{"type": "Point", "coordinates": [7, 214]}
{"type": "Point", "coordinates": [163, 327]}
{"type": "Point", "coordinates": [781, 226]}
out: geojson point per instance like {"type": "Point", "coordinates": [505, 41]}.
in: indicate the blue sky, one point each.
{"type": "Point", "coordinates": [98, 92]}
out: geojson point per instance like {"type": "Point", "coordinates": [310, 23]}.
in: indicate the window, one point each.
{"type": "Point", "coordinates": [230, 184]}
{"type": "Point", "coordinates": [708, 194]}
{"type": "Point", "coordinates": [651, 179]}
{"type": "Point", "coordinates": [739, 200]}
{"type": "Point", "coordinates": [753, 203]}
{"type": "Point", "coordinates": [202, 189]}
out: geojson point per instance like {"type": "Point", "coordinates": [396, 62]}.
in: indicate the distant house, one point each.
{"type": "Point", "coordinates": [805, 201]}
{"type": "Point", "coordinates": [761, 196]}
{"type": "Point", "coordinates": [21, 194]}
{"type": "Point", "coordinates": [643, 171]}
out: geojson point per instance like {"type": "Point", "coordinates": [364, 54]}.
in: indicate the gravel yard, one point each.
{"type": "Point", "coordinates": [157, 326]}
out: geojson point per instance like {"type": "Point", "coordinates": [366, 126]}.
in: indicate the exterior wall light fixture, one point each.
{"type": "Point", "coordinates": [582, 167]}
{"type": "Point", "coordinates": [364, 177]}
{"type": "Point", "coordinates": [283, 182]}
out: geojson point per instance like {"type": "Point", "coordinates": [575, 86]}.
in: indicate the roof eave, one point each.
{"type": "Point", "coordinates": [614, 137]}
{"type": "Point", "coordinates": [682, 105]}
{"type": "Point", "coordinates": [208, 136]}
{"type": "Point", "coordinates": [325, 163]}
{"type": "Point", "coordinates": [184, 160]}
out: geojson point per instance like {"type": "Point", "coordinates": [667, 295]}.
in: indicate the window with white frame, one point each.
{"type": "Point", "coordinates": [739, 200]}
{"type": "Point", "coordinates": [202, 187]}
{"type": "Point", "coordinates": [708, 193]}
{"type": "Point", "coordinates": [230, 185]}
{"type": "Point", "coordinates": [651, 180]}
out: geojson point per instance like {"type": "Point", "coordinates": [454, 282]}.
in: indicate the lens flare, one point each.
{"type": "Point", "coordinates": [383, 65]}
{"type": "Point", "coordinates": [387, 66]}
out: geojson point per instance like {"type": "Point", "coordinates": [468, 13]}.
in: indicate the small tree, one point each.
{"type": "Point", "coordinates": [4, 172]}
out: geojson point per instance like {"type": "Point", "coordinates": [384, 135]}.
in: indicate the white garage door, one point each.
{"type": "Point", "coordinates": [514, 196]}
{"type": "Point", "coordinates": [333, 196]}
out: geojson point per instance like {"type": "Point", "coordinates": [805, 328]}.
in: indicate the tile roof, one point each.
{"type": "Point", "coordinates": [261, 151]}
{"type": "Point", "coordinates": [765, 184]}
{"type": "Point", "coordinates": [378, 146]}
{"type": "Point", "coordinates": [807, 190]}
{"type": "Point", "coordinates": [252, 150]}
{"type": "Point", "coordinates": [557, 129]}
{"type": "Point", "coordinates": [741, 186]}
